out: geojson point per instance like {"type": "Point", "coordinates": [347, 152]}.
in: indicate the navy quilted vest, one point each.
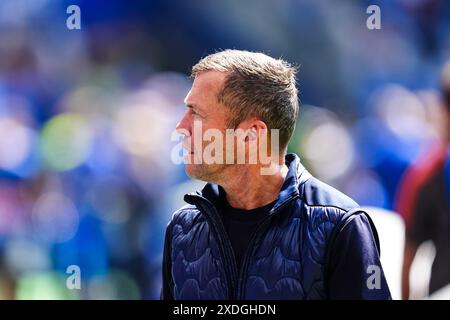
{"type": "Point", "coordinates": [286, 258]}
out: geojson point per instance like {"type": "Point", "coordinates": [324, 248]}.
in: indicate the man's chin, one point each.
{"type": "Point", "coordinates": [193, 171]}
{"type": "Point", "coordinates": [201, 172]}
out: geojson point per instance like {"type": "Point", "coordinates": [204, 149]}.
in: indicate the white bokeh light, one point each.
{"type": "Point", "coordinates": [15, 143]}
{"type": "Point", "coordinates": [329, 150]}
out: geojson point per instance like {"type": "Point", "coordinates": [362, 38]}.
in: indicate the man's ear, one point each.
{"type": "Point", "coordinates": [253, 127]}
{"type": "Point", "coordinates": [251, 134]}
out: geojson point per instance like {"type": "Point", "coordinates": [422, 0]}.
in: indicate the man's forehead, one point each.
{"type": "Point", "coordinates": [206, 86]}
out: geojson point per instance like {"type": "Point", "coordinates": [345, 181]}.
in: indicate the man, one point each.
{"type": "Point", "coordinates": [423, 200]}
{"type": "Point", "coordinates": [255, 234]}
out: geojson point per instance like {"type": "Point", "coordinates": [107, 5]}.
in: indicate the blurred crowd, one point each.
{"type": "Point", "coordinates": [86, 118]}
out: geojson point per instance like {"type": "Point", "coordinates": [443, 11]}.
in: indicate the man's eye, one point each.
{"type": "Point", "coordinates": [195, 113]}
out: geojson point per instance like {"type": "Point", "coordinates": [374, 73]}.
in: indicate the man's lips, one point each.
{"type": "Point", "coordinates": [188, 150]}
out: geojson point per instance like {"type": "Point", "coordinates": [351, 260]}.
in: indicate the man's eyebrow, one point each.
{"type": "Point", "coordinates": [193, 106]}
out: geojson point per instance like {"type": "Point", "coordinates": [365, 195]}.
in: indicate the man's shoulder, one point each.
{"type": "Point", "coordinates": [327, 206]}
{"type": "Point", "coordinates": [186, 215]}
{"type": "Point", "coordinates": [318, 195]}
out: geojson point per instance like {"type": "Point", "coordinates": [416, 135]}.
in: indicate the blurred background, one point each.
{"type": "Point", "coordinates": [86, 118]}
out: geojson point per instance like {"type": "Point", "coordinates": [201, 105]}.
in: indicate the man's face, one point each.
{"type": "Point", "coordinates": [203, 109]}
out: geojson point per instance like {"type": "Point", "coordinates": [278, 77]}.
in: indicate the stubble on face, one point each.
{"type": "Point", "coordinates": [213, 115]}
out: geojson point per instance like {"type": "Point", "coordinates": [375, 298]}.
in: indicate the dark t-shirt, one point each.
{"type": "Point", "coordinates": [352, 255]}
{"type": "Point", "coordinates": [241, 225]}
{"type": "Point", "coordinates": [431, 221]}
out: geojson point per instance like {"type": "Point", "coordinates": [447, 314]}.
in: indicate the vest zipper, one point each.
{"type": "Point", "coordinates": [224, 246]}
{"type": "Point", "coordinates": [235, 284]}
{"type": "Point", "coordinates": [255, 239]}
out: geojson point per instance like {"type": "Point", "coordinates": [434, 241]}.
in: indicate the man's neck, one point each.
{"type": "Point", "coordinates": [249, 189]}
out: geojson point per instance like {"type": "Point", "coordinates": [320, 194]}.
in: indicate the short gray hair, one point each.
{"type": "Point", "coordinates": [256, 85]}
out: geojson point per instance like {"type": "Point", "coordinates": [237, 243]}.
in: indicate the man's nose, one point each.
{"type": "Point", "coordinates": [184, 125]}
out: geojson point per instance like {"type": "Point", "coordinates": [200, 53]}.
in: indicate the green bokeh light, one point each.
{"type": "Point", "coordinates": [65, 141]}
{"type": "Point", "coordinates": [44, 286]}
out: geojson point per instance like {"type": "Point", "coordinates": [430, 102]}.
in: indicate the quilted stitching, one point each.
{"type": "Point", "coordinates": [197, 269]}
{"type": "Point", "coordinates": [288, 262]}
